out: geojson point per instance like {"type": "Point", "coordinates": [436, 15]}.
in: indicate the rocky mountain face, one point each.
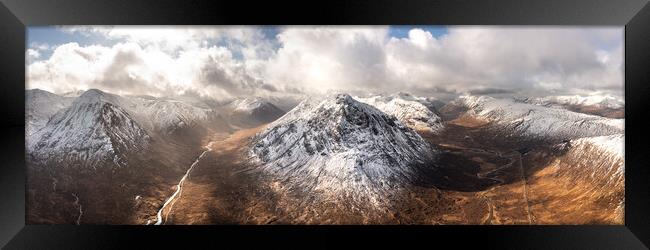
{"type": "Point", "coordinates": [95, 125]}
{"type": "Point", "coordinates": [340, 147]}
{"type": "Point", "coordinates": [93, 131]}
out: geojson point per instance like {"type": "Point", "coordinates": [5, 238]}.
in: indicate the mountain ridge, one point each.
{"type": "Point", "coordinates": [341, 147]}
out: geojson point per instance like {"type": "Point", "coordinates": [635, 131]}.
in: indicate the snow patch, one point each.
{"type": "Point", "coordinates": [538, 121]}
{"type": "Point", "coordinates": [338, 146]}
{"type": "Point", "coordinates": [408, 109]}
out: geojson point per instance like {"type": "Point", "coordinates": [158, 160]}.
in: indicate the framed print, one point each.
{"type": "Point", "coordinates": [518, 125]}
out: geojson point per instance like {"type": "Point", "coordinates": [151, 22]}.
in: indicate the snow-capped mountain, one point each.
{"type": "Point", "coordinates": [40, 106]}
{"type": "Point", "coordinates": [287, 101]}
{"type": "Point", "coordinates": [253, 111]}
{"type": "Point", "coordinates": [601, 101]}
{"type": "Point", "coordinates": [538, 121]}
{"type": "Point", "coordinates": [93, 131]}
{"type": "Point", "coordinates": [408, 109]}
{"type": "Point", "coordinates": [430, 102]}
{"type": "Point", "coordinates": [73, 93]}
{"type": "Point", "coordinates": [339, 146]}
{"type": "Point", "coordinates": [168, 115]}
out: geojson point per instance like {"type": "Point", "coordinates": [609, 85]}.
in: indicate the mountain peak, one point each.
{"type": "Point", "coordinates": [93, 131]}
{"type": "Point", "coordinates": [344, 98]}
{"type": "Point", "coordinates": [39, 91]}
{"type": "Point", "coordinates": [339, 140]}
{"type": "Point", "coordinates": [95, 95]}
{"type": "Point", "coordinates": [92, 93]}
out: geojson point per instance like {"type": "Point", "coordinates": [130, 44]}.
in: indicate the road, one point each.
{"type": "Point", "coordinates": [514, 156]}
{"type": "Point", "coordinates": [179, 188]}
{"type": "Point", "coordinates": [488, 201]}
{"type": "Point", "coordinates": [525, 182]}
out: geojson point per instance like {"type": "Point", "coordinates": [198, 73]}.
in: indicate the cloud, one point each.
{"type": "Point", "coordinates": [222, 62]}
{"type": "Point", "coordinates": [32, 54]}
{"type": "Point", "coordinates": [318, 59]}
{"type": "Point", "coordinates": [537, 59]}
{"type": "Point", "coordinates": [129, 68]}
{"type": "Point", "coordinates": [509, 58]}
{"type": "Point", "coordinates": [39, 46]}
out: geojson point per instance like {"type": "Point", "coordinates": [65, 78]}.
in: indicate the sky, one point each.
{"type": "Point", "coordinates": [232, 61]}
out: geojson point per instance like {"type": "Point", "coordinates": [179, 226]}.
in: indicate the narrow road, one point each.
{"type": "Point", "coordinates": [81, 212]}
{"type": "Point", "coordinates": [524, 181]}
{"type": "Point", "coordinates": [179, 188]}
{"type": "Point", "coordinates": [512, 156]}
{"type": "Point", "coordinates": [488, 221]}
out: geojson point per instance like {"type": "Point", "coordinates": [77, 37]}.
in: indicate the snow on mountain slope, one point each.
{"type": "Point", "coordinates": [341, 147]}
{"type": "Point", "coordinates": [167, 115]}
{"type": "Point", "coordinates": [247, 105]}
{"type": "Point", "coordinates": [408, 109]}
{"type": "Point", "coordinates": [93, 131]}
{"type": "Point", "coordinates": [599, 160]}
{"type": "Point", "coordinates": [252, 112]}
{"type": "Point", "coordinates": [602, 101]}
{"type": "Point", "coordinates": [613, 145]}
{"type": "Point", "coordinates": [286, 101]}
{"type": "Point", "coordinates": [40, 106]}
{"type": "Point", "coordinates": [538, 121]}
{"type": "Point", "coordinates": [163, 114]}
{"type": "Point", "coordinates": [73, 93]}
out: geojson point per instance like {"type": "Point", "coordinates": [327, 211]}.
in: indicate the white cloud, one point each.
{"type": "Point", "coordinates": [39, 46]}
{"type": "Point", "coordinates": [128, 68]}
{"type": "Point", "coordinates": [509, 58]}
{"type": "Point", "coordinates": [317, 59]}
{"type": "Point", "coordinates": [231, 61]}
{"type": "Point", "coordinates": [32, 54]}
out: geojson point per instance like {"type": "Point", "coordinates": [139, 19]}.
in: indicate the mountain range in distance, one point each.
{"type": "Point", "coordinates": [99, 158]}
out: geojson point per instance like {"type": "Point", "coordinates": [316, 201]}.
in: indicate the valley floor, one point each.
{"type": "Point", "coordinates": [481, 179]}
{"type": "Point", "coordinates": [479, 182]}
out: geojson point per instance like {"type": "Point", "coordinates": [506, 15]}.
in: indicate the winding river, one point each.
{"type": "Point", "coordinates": [179, 188]}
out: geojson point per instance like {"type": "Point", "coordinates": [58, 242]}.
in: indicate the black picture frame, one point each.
{"type": "Point", "coordinates": [15, 15]}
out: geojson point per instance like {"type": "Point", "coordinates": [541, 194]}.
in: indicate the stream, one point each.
{"type": "Point", "coordinates": [179, 188]}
